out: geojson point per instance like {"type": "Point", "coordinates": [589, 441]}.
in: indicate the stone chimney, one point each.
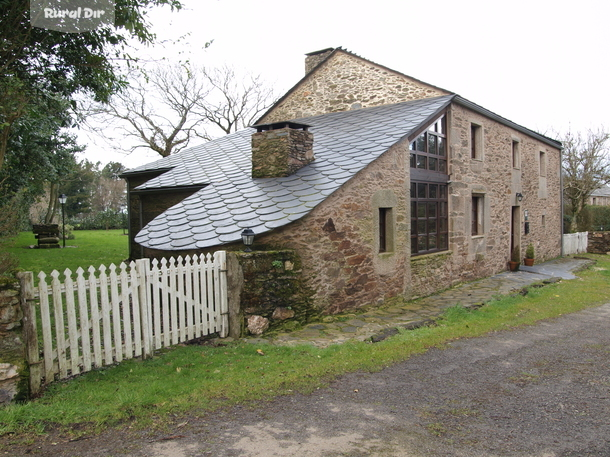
{"type": "Point", "coordinates": [314, 58]}
{"type": "Point", "coordinates": [280, 149]}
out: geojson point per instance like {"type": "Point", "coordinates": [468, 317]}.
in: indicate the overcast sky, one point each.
{"type": "Point", "coordinates": [540, 63]}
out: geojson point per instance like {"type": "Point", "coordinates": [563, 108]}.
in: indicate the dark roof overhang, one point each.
{"type": "Point", "coordinates": [159, 190]}
{"type": "Point", "coordinates": [485, 112]}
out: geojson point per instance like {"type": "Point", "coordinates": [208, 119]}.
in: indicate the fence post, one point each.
{"type": "Point", "coordinates": [30, 334]}
{"type": "Point", "coordinates": [235, 285]}
{"type": "Point", "coordinates": [220, 261]}
{"type": "Point", "coordinates": [143, 275]}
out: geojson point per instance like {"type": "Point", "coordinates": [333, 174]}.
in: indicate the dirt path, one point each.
{"type": "Point", "coordinates": [541, 391]}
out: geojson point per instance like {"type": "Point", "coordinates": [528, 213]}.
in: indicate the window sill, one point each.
{"type": "Point", "coordinates": [431, 254]}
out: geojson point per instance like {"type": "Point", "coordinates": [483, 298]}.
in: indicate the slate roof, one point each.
{"type": "Point", "coordinates": [344, 143]}
{"type": "Point", "coordinates": [601, 192]}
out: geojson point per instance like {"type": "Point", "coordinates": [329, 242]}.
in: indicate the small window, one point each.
{"type": "Point", "coordinates": [383, 227]}
{"type": "Point", "coordinates": [477, 215]}
{"type": "Point", "coordinates": [543, 221]}
{"type": "Point", "coordinates": [516, 155]}
{"type": "Point", "coordinates": [476, 142]}
{"type": "Point", "coordinates": [385, 230]}
{"type": "Point", "coordinates": [542, 163]}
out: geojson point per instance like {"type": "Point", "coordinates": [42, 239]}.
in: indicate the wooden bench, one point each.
{"type": "Point", "coordinates": [47, 235]}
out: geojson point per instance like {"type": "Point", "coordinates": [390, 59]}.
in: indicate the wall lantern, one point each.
{"type": "Point", "coordinates": [247, 236]}
{"type": "Point", "coordinates": [63, 199]}
{"type": "Point", "coordinates": [519, 196]}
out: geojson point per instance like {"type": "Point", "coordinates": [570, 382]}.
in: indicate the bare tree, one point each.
{"type": "Point", "coordinates": [167, 107]}
{"type": "Point", "coordinates": [157, 109]}
{"type": "Point", "coordinates": [585, 168]}
{"type": "Point", "coordinates": [235, 102]}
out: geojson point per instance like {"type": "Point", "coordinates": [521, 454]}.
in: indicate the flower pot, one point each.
{"type": "Point", "coordinates": [528, 262]}
{"type": "Point", "coordinates": [513, 266]}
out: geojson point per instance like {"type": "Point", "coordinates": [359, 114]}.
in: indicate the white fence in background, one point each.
{"type": "Point", "coordinates": [112, 314]}
{"type": "Point", "coordinates": [575, 243]}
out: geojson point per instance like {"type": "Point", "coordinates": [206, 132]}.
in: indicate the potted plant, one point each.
{"type": "Point", "coordinates": [529, 255]}
{"type": "Point", "coordinates": [514, 261]}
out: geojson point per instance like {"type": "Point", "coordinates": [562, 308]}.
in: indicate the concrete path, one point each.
{"type": "Point", "coordinates": [382, 322]}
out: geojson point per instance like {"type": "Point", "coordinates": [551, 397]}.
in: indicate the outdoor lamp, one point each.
{"type": "Point", "coordinates": [62, 200]}
{"type": "Point", "coordinates": [247, 236]}
{"type": "Point", "coordinates": [519, 196]}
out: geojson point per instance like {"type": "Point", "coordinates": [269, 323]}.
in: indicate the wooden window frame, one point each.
{"type": "Point", "coordinates": [384, 215]}
{"type": "Point", "coordinates": [477, 213]}
{"type": "Point", "coordinates": [429, 217]}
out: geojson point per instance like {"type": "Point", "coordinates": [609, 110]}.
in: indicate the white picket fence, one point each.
{"type": "Point", "coordinates": [118, 313]}
{"type": "Point", "coordinates": [575, 243]}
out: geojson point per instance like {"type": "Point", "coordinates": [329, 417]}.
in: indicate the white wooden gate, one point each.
{"type": "Point", "coordinates": [575, 243]}
{"type": "Point", "coordinates": [112, 314]}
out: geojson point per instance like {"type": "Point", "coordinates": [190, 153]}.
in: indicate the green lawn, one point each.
{"type": "Point", "coordinates": [200, 378]}
{"type": "Point", "coordinates": [89, 247]}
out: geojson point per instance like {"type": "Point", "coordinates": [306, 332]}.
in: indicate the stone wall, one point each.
{"type": "Point", "coordinates": [280, 152]}
{"type": "Point", "coordinates": [493, 177]}
{"type": "Point", "coordinates": [338, 242]}
{"type": "Point", "coordinates": [273, 293]}
{"type": "Point", "coordinates": [345, 81]}
{"type": "Point", "coordinates": [12, 355]}
{"type": "Point", "coordinates": [598, 243]}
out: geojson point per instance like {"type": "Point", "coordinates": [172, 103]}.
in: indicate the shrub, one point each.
{"type": "Point", "coordinates": [104, 220]}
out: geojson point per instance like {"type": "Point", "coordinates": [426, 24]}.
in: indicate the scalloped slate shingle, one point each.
{"type": "Point", "coordinates": [344, 143]}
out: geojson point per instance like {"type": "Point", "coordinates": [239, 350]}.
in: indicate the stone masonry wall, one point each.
{"type": "Point", "coordinates": [494, 178]}
{"type": "Point", "coordinates": [338, 241]}
{"type": "Point", "coordinates": [598, 242]}
{"type": "Point", "coordinates": [12, 355]}
{"type": "Point", "coordinates": [281, 152]}
{"type": "Point", "coordinates": [273, 291]}
{"type": "Point", "coordinates": [346, 82]}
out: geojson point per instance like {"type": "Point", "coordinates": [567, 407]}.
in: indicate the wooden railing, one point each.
{"type": "Point", "coordinates": [112, 314]}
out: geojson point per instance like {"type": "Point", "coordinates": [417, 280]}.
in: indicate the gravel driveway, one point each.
{"type": "Point", "coordinates": [538, 391]}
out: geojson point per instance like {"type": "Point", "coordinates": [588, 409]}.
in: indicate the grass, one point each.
{"type": "Point", "coordinates": [195, 379]}
{"type": "Point", "coordinates": [90, 247]}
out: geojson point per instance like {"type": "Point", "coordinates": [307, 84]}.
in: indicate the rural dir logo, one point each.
{"type": "Point", "coordinates": [71, 16]}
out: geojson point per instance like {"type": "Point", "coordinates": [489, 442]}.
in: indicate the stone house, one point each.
{"type": "Point", "coordinates": [600, 197]}
{"type": "Point", "coordinates": [383, 185]}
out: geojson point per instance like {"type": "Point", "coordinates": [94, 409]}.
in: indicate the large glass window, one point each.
{"type": "Point", "coordinates": [429, 217]}
{"type": "Point", "coordinates": [429, 150]}
{"type": "Point", "coordinates": [429, 207]}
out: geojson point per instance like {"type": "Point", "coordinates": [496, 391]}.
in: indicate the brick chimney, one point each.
{"type": "Point", "coordinates": [314, 58]}
{"type": "Point", "coordinates": [280, 149]}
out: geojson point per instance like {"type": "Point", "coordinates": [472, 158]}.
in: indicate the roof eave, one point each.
{"type": "Point", "coordinates": [485, 112]}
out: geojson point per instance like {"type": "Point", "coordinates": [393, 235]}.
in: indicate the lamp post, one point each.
{"type": "Point", "coordinates": [62, 200]}
{"type": "Point", "coordinates": [247, 236]}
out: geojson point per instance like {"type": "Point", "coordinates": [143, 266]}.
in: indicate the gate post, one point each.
{"type": "Point", "coordinates": [30, 333]}
{"type": "Point", "coordinates": [235, 285]}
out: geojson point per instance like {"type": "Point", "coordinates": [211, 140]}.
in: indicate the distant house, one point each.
{"type": "Point", "coordinates": [383, 184]}
{"type": "Point", "coordinates": [600, 197]}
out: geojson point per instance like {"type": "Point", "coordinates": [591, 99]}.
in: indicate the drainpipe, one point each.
{"type": "Point", "coordinates": [129, 218]}
{"type": "Point", "coordinates": [561, 197]}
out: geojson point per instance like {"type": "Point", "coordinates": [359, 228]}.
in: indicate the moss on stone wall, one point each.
{"type": "Point", "coordinates": [13, 375]}
{"type": "Point", "coordinates": [274, 288]}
